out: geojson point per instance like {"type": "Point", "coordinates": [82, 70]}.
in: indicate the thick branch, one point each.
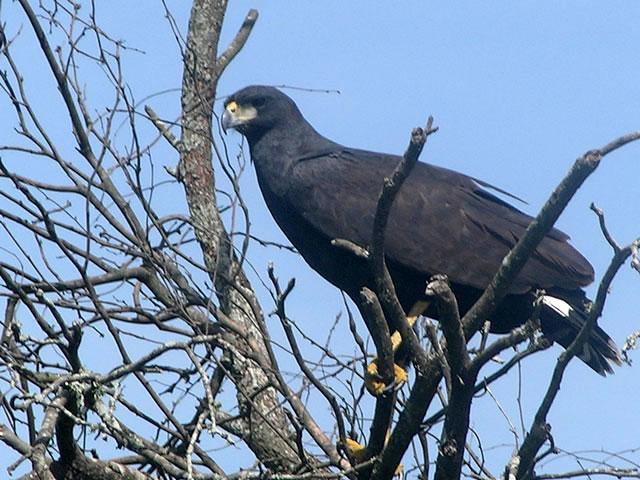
{"type": "Point", "coordinates": [386, 466]}
{"type": "Point", "coordinates": [256, 398]}
{"type": "Point", "coordinates": [384, 285]}
{"type": "Point", "coordinates": [238, 42]}
{"type": "Point", "coordinates": [456, 424]}
{"type": "Point", "coordinates": [379, 330]}
{"type": "Point", "coordinates": [449, 317]}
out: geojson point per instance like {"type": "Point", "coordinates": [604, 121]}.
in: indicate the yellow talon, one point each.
{"type": "Point", "coordinates": [375, 386]}
{"type": "Point", "coordinates": [358, 454]}
{"type": "Point", "coordinates": [372, 378]}
{"type": "Point", "coordinates": [355, 450]}
{"type": "Point", "coordinates": [396, 340]}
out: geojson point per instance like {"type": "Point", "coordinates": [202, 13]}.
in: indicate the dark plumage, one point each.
{"type": "Point", "coordinates": [441, 222]}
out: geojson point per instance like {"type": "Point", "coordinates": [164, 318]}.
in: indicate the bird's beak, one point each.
{"type": "Point", "coordinates": [235, 115]}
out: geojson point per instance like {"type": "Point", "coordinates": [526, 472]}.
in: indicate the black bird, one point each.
{"type": "Point", "coordinates": [441, 222]}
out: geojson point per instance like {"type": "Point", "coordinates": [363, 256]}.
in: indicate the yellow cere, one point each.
{"type": "Point", "coordinates": [232, 107]}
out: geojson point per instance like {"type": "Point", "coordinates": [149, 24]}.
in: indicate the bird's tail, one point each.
{"type": "Point", "coordinates": [561, 321]}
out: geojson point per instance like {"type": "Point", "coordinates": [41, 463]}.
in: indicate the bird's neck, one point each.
{"type": "Point", "coordinates": [291, 140]}
{"type": "Point", "coordinates": [274, 152]}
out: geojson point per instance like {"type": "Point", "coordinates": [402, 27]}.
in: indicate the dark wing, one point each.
{"type": "Point", "coordinates": [441, 221]}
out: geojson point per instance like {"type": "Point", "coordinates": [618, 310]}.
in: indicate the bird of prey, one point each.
{"type": "Point", "coordinates": [441, 222]}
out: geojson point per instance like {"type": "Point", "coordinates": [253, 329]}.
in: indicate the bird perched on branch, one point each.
{"type": "Point", "coordinates": [441, 222]}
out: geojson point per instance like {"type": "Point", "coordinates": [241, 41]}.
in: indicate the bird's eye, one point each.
{"type": "Point", "coordinates": [259, 102]}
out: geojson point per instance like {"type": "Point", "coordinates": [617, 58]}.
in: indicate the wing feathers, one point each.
{"type": "Point", "coordinates": [441, 221]}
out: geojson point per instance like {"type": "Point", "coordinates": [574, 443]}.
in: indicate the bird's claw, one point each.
{"type": "Point", "coordinates": [358, 454]}
{"type": "Point", "coordinates": [375, 384]}
{"type": "Point", "coordinates": [356, 451]}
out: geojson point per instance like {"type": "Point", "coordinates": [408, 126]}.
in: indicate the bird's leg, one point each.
{"type": "Point", "coordinates": [375, 386]}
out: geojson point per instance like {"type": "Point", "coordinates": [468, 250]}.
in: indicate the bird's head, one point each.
{"type": "Point", "coordinates": [257, 109]}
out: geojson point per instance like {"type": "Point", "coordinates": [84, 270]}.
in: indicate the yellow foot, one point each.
{"type": "Point", "coordinates": [355, 450]}
{"type": "Point", "coordinates": [375, 385]}
{"type": "Point", "coordinates": [358, 454]}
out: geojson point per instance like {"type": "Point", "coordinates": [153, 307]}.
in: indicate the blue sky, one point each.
{"type": "Point", "coordinates": [519, 91]}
